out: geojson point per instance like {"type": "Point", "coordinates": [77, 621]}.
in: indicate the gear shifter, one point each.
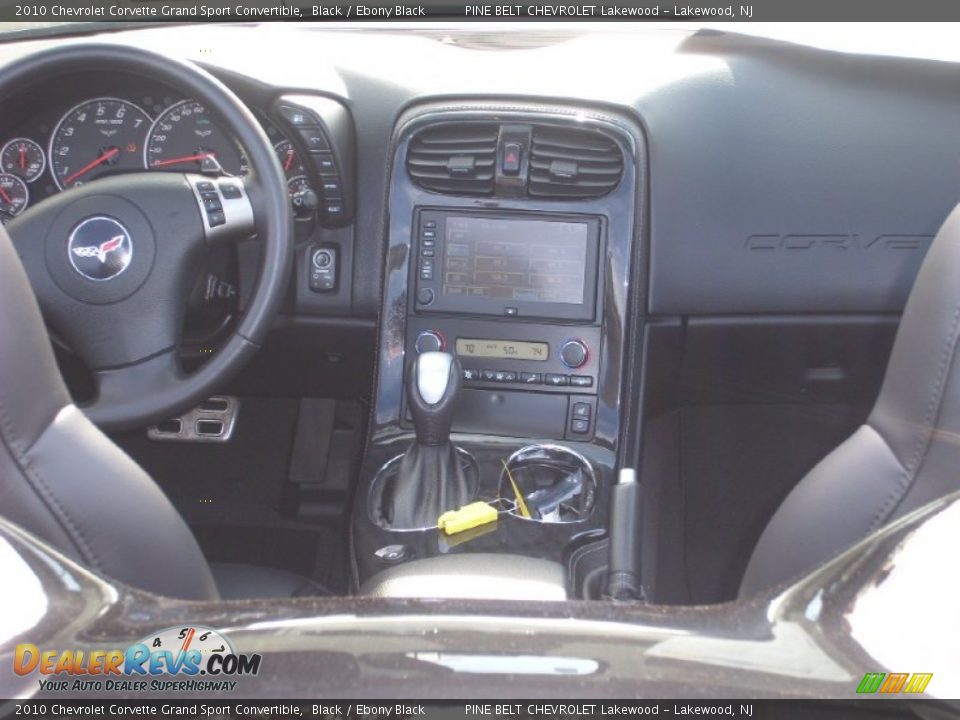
{"type": "Point", "coordinates": [431, 479]}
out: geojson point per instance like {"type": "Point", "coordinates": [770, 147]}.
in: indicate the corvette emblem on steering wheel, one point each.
{"type": "Point", "coordinates": [100, 248]}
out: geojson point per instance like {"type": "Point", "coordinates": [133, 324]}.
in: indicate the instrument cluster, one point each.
{"type": "Point", "coordinates": [77, 142]}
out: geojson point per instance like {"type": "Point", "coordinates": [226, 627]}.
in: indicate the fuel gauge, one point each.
{"type": "Point", "coordinates": [14, 196]}
{"type": "Point", "coordinates": [24, 158]}
{"type": "Point", "coordinates": [289, 159]}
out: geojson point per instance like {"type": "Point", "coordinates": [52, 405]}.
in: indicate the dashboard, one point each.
{"type": "Point", "coordinates": [105, 126]}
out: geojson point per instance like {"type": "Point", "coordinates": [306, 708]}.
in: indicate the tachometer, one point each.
{"type": "Point", "coordinates": [95, 138]}
{"type": "Point", "coordinates": [14, 196]}
{"type": "Point", "coordinates": [24, 158]}
{"type": "Point", "coordinates": [186, 139]}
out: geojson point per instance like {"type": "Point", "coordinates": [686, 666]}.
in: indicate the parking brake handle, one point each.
{"type": "Point", "coordinates": [623, 571]}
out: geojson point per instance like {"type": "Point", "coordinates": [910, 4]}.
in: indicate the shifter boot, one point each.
{"type": "Point", "coordinates": [431, 479]}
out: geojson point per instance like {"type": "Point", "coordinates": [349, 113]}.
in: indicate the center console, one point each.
{"type": "Point", "coordinates": [513, 242]}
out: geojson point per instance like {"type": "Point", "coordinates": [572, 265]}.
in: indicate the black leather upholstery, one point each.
{"type": "Point", "coordinates": [905, 455]}
{"type": "Point", "coordinates": [487, 576]}
{"type": "Point", "coordinates": [66, 482]}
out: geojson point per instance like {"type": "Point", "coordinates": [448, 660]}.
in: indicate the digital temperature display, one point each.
{"type": "Point", "coordinates": [503, 349]}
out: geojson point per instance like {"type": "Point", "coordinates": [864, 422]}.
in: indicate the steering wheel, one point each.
{"type": "Point", "coordinates": [112, 262]}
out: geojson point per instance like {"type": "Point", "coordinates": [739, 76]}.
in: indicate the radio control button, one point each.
{"type": "Point", "coordinates": [429, 234]}
{"type": "Point", "coordinates": [581, 380]}
{"type": "Point", "coordinates": [574, 353]}
{"type": "Point", "coordinates": [556, 380]}
{"type": "Point", "coordinates": [429, 223]}
{"type": "Point", "coordinates": [425, 296]}
{"type": "Point", "coordinates": [529, 378]}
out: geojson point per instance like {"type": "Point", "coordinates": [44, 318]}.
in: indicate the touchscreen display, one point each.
{"type": "Point", "coordinates": [514, 259]}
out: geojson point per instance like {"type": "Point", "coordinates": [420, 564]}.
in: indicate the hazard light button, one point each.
{"type": "Point", "coordinates": [512, 155]}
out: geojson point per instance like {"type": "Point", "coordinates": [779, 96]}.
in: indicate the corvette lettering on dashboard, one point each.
{"type": "Point", "coordinates": [838, 241]}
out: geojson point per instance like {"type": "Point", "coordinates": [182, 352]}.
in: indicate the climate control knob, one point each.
{"type": "Point", "coordinates": [574, 353]}
{"type": "Point", "coordinates": [430, 341]}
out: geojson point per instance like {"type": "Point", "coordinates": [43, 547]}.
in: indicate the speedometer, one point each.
{"type": "Point", "coordinates": [186, 139]}
{"type": "Point", "coordinates": [95, 138]}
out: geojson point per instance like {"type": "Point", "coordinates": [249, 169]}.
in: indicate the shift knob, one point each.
{"type": "Point", "coordinates": [432, 388]}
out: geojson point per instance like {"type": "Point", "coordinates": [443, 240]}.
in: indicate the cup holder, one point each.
{"type": "Point", "coordinates": [381, 490]}
{"type": "Point", "coordinates": [557, 484]}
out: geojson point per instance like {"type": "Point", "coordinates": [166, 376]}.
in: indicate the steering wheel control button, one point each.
{"type": "Point", "coordinates": [430, 341]}
{"type": "Point", "coordinates": [574, 353]}
{"type": "Point", "coordinates": [230, 191]}
{"type": "Point", "coordinates": [100, 248]}
{"type": "Point", "coordinates": [225, 208]}
{"type": "Point", "coordinates": [323, 269]}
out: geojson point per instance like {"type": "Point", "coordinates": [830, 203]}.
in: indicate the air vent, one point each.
{"type": "Point", "coordinates": [573, 163]}
{"type": "Point", "coordinates": [454, 158]}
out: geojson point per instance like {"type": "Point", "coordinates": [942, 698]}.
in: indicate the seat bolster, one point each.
{"type": "Point", "coordinates": [841, 500]}
{"type": "Point", "coordinates": [75, 484]}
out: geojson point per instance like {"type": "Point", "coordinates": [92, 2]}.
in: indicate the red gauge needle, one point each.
{"type": "Point", "coordinates": [91, 165]}
{"type": "Point", "coordinates": [3, 194]}
{"type": "Point", "coordinates": [23, 157]}
{"type": "Point", "coordinates": [185, 158]}
{"type": "Point", "coordinates": [289, 161]}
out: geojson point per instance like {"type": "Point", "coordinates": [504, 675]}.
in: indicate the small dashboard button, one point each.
{"type": "Point", "coordinates": [529, 378]}
{"type": "Point", "coordinates": [556, 380]}
{"type": "Point", "coordinates": [581, 380]}
{"type": "Point", "coordinates": [580, 426]}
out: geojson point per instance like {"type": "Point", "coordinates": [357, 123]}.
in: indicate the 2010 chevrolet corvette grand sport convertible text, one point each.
{"type": "Point", "coordinates": [529, 362]}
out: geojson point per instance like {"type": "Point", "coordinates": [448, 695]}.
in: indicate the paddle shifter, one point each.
{"type": "Point", "coordinates": [431, 479]}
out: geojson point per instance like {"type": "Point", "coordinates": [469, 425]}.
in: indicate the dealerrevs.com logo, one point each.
{"type": "Point", "coordinates": [180, 659]}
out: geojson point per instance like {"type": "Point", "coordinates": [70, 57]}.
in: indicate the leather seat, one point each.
{"type": "Point", "coordinates": [905, 455]}
{"type": "Point", "coordinates": [66, 482]}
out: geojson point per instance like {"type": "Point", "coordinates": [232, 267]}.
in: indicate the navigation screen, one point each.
{"type": "Point", "coordinates": [513, 259]}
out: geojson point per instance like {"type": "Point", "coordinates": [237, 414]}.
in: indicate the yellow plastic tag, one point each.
{"type": "Point", "coordinates": [467, 517]}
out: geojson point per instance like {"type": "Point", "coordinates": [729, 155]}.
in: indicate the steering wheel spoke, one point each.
{"type": "Point", "coordinates": [225, 207]}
